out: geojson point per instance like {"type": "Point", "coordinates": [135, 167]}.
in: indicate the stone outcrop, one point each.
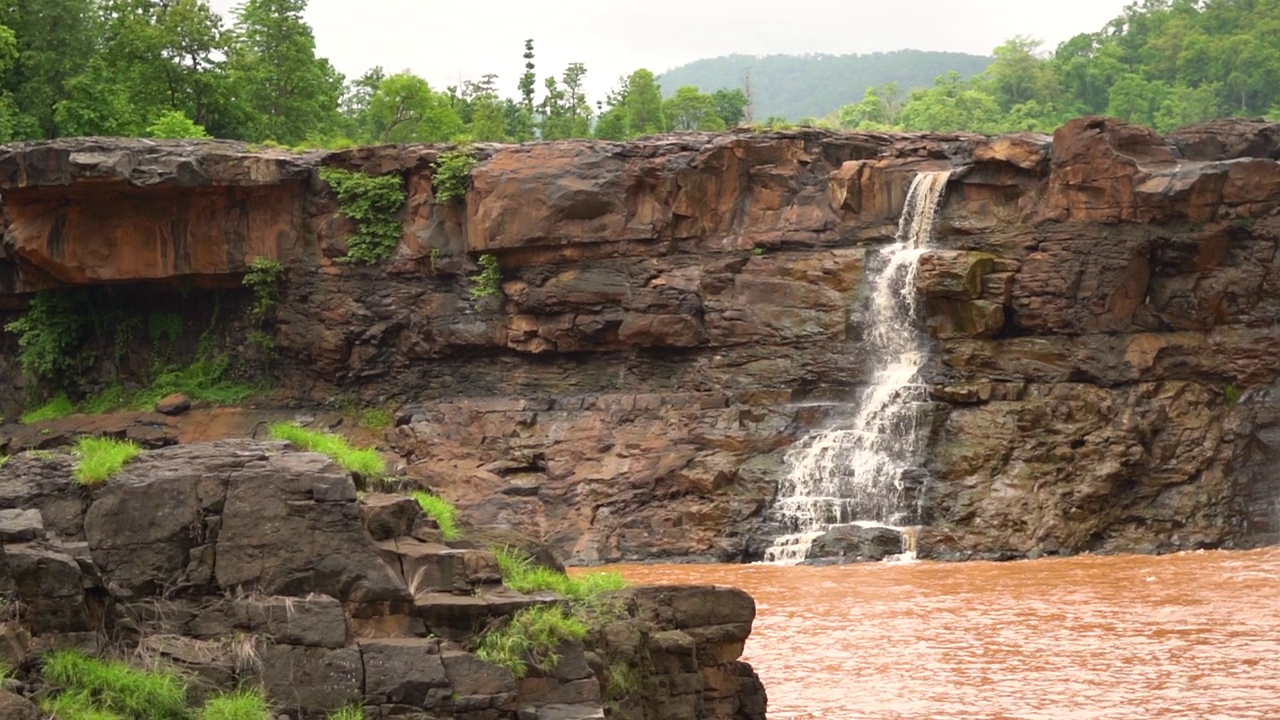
{"type": "Point", "coordinates": [248, 562]}
{"type": "Point", "coordinates": [675, 312]}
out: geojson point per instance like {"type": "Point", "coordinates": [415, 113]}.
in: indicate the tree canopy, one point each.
{"type": "Point", "coordinates": [175, 68]}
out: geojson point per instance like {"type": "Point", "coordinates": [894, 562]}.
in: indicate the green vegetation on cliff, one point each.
{"type": "Point", "coordinates": [112, 689]}
{"type": "Point", "coordinates": [373, 204]}
{"type": "Point", "coordinates": [441, 511]}
{"type": "Point", "coordinates": [533, 636]}
{"type": "Point", "coordinates": [520, 573]}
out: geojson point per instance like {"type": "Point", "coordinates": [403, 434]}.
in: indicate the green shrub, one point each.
{"type": "Point", "coordinates": [373, 203]}
{"type": "Point", "coordinates": [440, 510]}
{"type": "Point", "coordinates": [488, 282]}
{"type": "Point", "coordinates": [50, 336]}
{"type": "Point", "coordinates": [453, 167]}
{"type": "Point", "coordinates": [176, 125]}
{"type": "Point", "coordinates": [532, 636]}
{"type": "Point", "coordinates": [202, 379]}
{"type": "Point", "coordinates": [263, 279]}
{"type": "Point", "coordinates": [100, 458]}
{"type": "Point", "coordinates": [521, 574]}
{"type": "Point", "coordinates": [757, 251]}
{"type": "Point", "coordinates": [238, 705]}
{"type": "Point", "coordinates": [59, 407]}
{"type": "Point", "coordinates": [3, 459]}
{"type": "Point", "coordinates": [114, 687]}
{"type": "Point", "coordinates": [365, 462]}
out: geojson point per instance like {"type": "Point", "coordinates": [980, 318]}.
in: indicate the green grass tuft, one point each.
{"type": "Point", "coordinates": [521, 574]}
{"type": "Point", "coordinates": [351, 712]}
{"type": "Point", "coordinates": [76, 705]}
{"type": "Point", "coordinates": [376, 418]}
{"type": "Point", "coordinates": [114, 689]}
{"type": "Point", "coordinates": [365, 462]}
{"type": "Point", "coordinates": [100, 458]}
{"type": "Point", "coordinates": [440, 510]}
{"type": "Point", "coordinates": [238, 705]}
{"type": "Point", "coordinates": [533, 636]}
{"type": "Point", "coordinates": [624, 681]}
{"type": "Point", "coordinates": [59, 407]}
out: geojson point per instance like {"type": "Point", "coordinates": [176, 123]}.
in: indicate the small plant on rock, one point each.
{"type": "Point", "coordinates": [239, 705]}
{"type": "Point", "coordinates": [1231, 394]}
{"type": "Point", "coordinates": [441, 511]}
{"type": "Point", "coordinates": [263, 279]}
{"type": "Point", "coordinates": [365, 462]}
{"type": "Point", "coordinates": [373, 203]}
{"type": "Point", "coordinates": [533, 636]}
{"type": "Point", "coordinates": [520, 573]}
{"type": "Point", "coordinates": [624, 681]}
{"type": "Point", "coordinates": [100, 458]}
{"type": "Point", "coordinates": [350, 712]}
{"type": "Point", "coordinates": [488, 282]}
{"type": "Point", "coordinates": [453, 167]}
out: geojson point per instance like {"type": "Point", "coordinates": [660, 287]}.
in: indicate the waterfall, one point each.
{"type": "Point", "coordinates": [863, 469]}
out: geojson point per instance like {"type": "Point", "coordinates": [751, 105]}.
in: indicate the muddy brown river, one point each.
{"type": "Point", "coordinates": [1195, 635]}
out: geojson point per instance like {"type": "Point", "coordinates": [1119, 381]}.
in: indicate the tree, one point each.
{"type": "Point", "coordinates": [565, 111]}
{"type": "Point", "coordinates": [289, 92]}
{"type": "Point", "coordinates": [689, 110]}
{"type": "Point", "coordinates": [487, 119]}
{"type": "Point", "coordinates": [406, 110]}
{"type": "Point", "coordinates": [1018, 75]}
{"type": "Point", "coordinates": [731, 106]}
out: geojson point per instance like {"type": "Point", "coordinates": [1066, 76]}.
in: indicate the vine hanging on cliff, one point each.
{"type": "Point", "coordinates": [374, 204]}
{"type": "Point", "coordinates": [51, 344]}
{"type": "Point", "coordinates": [263, 279]}
{"type": "Point", "coordinates": [453, 167]}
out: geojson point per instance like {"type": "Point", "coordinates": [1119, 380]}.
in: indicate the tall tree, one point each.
{"type": "Point", "coordinates": [56, 39]}
{"type": "Point", "coordinates": [289, 92]}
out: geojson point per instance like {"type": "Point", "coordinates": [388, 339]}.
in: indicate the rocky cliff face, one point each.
{"type": "Point", "coordinates": [676, 312]}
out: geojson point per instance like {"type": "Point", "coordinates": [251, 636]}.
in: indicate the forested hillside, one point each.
{"type": "Point", "coordinates": [175, 68]}
{"type": "Point", "coordinates": [811, 86]}
{"type": "Point", "coordinates": [1163, 63]}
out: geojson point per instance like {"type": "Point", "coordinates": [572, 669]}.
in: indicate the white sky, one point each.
{"type": "Point", "coordinates": [445, 41]}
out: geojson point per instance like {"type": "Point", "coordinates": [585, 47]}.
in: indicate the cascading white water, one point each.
{"type": "Point", "coordinates": [859, 469]}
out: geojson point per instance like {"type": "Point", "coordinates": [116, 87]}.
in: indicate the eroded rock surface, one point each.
{"type": "Point", "coordinates": [1102, 305]}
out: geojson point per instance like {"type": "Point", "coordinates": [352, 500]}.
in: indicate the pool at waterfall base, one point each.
{"type": "Point", "coordinates": [1186, 636]}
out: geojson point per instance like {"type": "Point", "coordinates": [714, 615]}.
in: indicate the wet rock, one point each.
{"type": "Point", "coordinates": [16, 707]}
{"type": "Point", "coordinates": [175, 404]}
{"type": "Point", "coordinates": [853, 543]}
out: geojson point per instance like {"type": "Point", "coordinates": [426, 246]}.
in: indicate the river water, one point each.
{"type": "Point", "coordinates": [1194, 635]}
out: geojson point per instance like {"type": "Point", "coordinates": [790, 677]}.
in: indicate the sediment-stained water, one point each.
{"type": "Point", "coordinates": [1194, 635]}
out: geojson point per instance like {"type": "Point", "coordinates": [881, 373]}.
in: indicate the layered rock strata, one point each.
{"type": "Point", "coordinates": [675, 312]}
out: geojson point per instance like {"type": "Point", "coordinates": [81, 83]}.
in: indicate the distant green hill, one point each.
{"type": "Point", "coordinates": [800, 86]}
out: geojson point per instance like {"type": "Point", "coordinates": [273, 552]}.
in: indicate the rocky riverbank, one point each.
{"type": "Point", "coordinates": [244, 563]}
{"type": "Point", "coordinates": [664, 318]}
